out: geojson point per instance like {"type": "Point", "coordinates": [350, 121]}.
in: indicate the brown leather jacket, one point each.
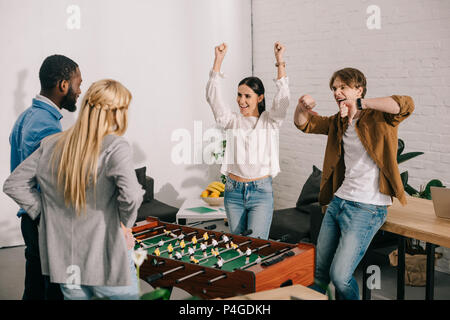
{"type": "Point", "coordinates": [378, 134]}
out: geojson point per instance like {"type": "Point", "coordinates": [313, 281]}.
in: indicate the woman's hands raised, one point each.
{"type": "Point", "coordinates": [279, 49]}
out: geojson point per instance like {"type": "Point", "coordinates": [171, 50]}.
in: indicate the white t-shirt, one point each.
{"type": "Point", "coordinates": [252, 149]}
{"type": "Point", "coordinates": [361, 182]}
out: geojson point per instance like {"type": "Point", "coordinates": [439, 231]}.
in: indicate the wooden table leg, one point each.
{"type": "Point", "coordinates": [401, 268]}
{"type": "Point", "coordinates": [429, 291]}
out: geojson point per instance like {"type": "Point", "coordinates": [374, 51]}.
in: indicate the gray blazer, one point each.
{"type": "Point", "coordinates": [93, 243]}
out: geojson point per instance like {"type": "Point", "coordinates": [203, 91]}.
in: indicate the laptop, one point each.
{"type": "Point", "coordinates": [441, 201]}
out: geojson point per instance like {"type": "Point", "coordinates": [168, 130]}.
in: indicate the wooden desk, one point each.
{"type": "Point", "coordinates": [417, 220]}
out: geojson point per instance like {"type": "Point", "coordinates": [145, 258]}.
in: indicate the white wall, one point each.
{"type": "Point", "coordinates": [161, 50]}
{"type": "Point", "coordinates": [409, 55]}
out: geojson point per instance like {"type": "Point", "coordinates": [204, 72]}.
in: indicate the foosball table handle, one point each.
{"type": "Point", "coordinates": [277, 259]}
{"type": "Point", "coordinates": [159, 275]}
{"type": "Point", "coordinates": [154, 277]}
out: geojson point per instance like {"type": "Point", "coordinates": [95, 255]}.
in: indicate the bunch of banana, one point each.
{"type": "Point", "coordinates": [214, 190]}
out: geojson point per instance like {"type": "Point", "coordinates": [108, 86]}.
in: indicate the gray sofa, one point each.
{"type": "Point", "coordinates": [301, 223]}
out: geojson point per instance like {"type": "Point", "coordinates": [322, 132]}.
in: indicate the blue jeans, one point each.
{"type": "Point", "coordinates": [347, 229]}
{"type": "Point", "coordinates": [111, 292]}
{"type": "Point", "coordinates": [249, 205]}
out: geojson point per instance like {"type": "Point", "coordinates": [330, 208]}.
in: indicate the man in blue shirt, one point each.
{"type": "Point", "coordinates": [60, 80]}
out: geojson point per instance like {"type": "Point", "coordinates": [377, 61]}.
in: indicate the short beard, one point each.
{"type": "Point", "coordinates": [69, 101]}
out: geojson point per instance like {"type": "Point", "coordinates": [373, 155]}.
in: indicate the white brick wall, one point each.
{"type": "Point", "coordinates": [409, 55]}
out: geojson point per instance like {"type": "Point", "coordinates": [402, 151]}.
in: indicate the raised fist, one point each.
{"type": "Point", "coordinates": [221, 50]}
{"type": "Point", "coordinates": [306, 103]}
{"type": "Point", "coordinates": [348, 109]}
{"type": "Point", "coordinates": [279, 51]}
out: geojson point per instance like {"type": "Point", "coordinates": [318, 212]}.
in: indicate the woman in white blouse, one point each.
{"type": "Point", "coordinates": [251, 157]}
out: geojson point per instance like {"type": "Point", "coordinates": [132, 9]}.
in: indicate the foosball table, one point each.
{"type": "Point", "coordinates": [211, 264]}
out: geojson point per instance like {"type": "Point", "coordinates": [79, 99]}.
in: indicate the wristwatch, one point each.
{"type": "Point", "coordinates": [358, 104]}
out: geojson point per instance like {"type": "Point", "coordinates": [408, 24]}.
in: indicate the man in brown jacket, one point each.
{"type": "Point", "coordinates": [360, 174]}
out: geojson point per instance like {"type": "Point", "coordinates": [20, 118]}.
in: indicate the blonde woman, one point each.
{"type": "Point", "coordinates": [89, 196]}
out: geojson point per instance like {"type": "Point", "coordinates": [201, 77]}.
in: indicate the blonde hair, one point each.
{"type": "Point", "coordinates": [104, 110]}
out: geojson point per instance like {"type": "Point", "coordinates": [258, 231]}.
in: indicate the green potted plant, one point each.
{"type": "Point", "coordinates": [221, 154]}
{"type": "Point", "coordinates": [413, 245]}
{"type": "Point", "coordinates": [424, 192]}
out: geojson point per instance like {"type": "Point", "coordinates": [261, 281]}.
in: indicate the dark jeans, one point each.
{"type": "Point", "coordinates": [37, 286]}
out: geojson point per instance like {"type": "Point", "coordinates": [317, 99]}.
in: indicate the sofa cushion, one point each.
{"type": "Point", "coordinates": [290, 222]}
{"type": "Point", "coordinates": [140, 174]}
{"type": "Point", "coordinates": [311, 189]}
{"type": "Point", "coordinates": [149, 192]}
{"type": "Point", "coordinates": [155, 208]}
{"type": "Point", "coordinates": [143, 181]}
